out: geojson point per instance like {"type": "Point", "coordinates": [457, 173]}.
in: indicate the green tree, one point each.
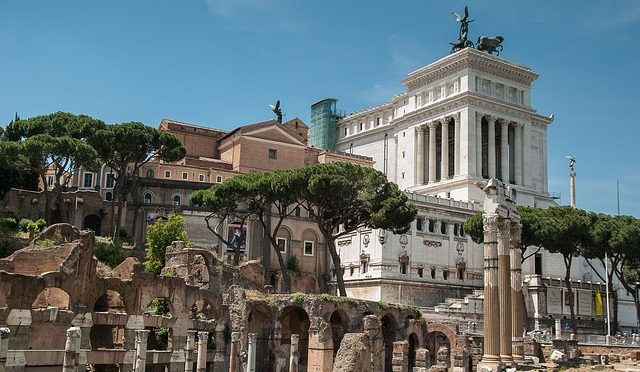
{"type": "Point", "coordinates": [159, 236]}
{"type": "Point", "coordinates": [57, 142]}
{"type": "Point", "coordinates": [125, 148]}
{"type": "Point", "coordinates": [344, 197]}
{"type": "Point", "coordinates": [15, 171]}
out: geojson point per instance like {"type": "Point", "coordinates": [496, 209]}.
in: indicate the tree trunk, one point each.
{"type": "Point", "coordinates": [47, 198]}
{"type": "Point", "coordinates": [567, 281]}
{"type": "Point", "coordinates": [337, 265]}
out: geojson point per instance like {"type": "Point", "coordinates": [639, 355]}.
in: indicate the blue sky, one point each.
{"type": "Point", "coordinates": [219, 63]}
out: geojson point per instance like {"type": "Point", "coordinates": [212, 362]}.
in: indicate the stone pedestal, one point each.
{"type": "Point", "coordinates": [400, 359]}
{"type": "Point", "coordinates": [71, 350]}
{"type": "Point", "coordinates": [251, 352]}
{"type": "Point", "coordinates": [294, 355]}
{"type": "Point", "coordinates": [203, 339]}
{"type": "Point", "coordinates": [188, 351]}
{"type": "Point", "coordinates": [140, 358]}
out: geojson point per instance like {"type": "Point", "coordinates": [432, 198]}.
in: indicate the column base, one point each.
{"type": "Point", "coordinates": [489, 363]}
{"type": "Point", "coordinates": [507, 360]}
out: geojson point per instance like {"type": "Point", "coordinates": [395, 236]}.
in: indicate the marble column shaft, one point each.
{"type": "Point", "coordinates": [188, 351]}
{"type": "Point", "coordinates": [203, 339]}
{"type": "Point", "coordinates": [140, 358]}
{"type": "Point", "coordinates": [479, 145]}
{"type": "Point", "coordinates": [517, 310]}
{"type": "Point", "coordinates": [444, 150]}
{"type": "Point", "coordinates": [420, 156]}
{"type": "Point", "coordinates": [71, 350]}
{"type": "Point", "coordinates": [432, 152]}
{"type": "Point", "coordinates": [233, 353]}
{"type": "Point", "coordinates": [294, 355]}
{"type": "Point", "coordinates": [491, 142]}
{"type": "Point", "coordinates": [504, 290]}
{"type": "Point", "coordinates": [456, 146]}
{"type": "Point", "coordinates": [517, 154]}
{"type": "Point", "coordinates": [491, 298]}
{"type": "Point", "coordinates": [252, 339]}
{"type": "Point", "coordinates": [504, 151]}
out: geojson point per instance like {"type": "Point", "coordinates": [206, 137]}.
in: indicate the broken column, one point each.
{"type": "Point", "coordinates": [400, 360]}
{"type": "Point", "coordinates": [491, 356]}
{"type": "Point", "coordinates": [71, 350]}
{"type": "Point", "coordinates": [188, 351]}
{"type": "Point", "coordinates": [203, 339]}
{"type": "Point", "coordinates": [517, 307]}
{"type": "Point", "coordinates": [423, 361]}
{"type": "Point", "coordinates": [294, 355]}
{"type": "Point", "coordinates": [373, 330]}
{"type": "Point", "coordinates": [233, 355]}
{"type": "Point", "coordinates": [504, 290]}
{"type": "Point", "coordinates": [140, 358]}
{"type": "Point", "coordinates": [251, 352]}
{"type": "Point", "coordinates": [219, 353]}
{"type": "Point", "coordinates": [320, 354]}
{"type": "Point", "coordinates": [4, 345]}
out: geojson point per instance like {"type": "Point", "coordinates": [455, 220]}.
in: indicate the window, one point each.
{"type": "Point", "coordinates": [403, 154]}
{"type": "Point", "coordinates": [345, 132]}
{"type": "Point", "coordinates": [201, 177]}
{"type": "Point", "coordinates": [297, 212]}
{"type": "Point", "coordinates": [176, 200]}
{"type": "Point", "coordinates": [419, 224]}
{"type": "Point", "coordinates": [420, 272]}
{"type": "Point", "coordinates": [49, 181]}
{"type": "Point", "coordinates": [462, 231]}
{"type": "Point", "coordinates": [150, 173]}
{"type": "Point", "coordinates": [273, 154]}
{"type": "Point", "coordinates": [455, 229]}
{"type": "Point", "coordinates": [431, 226]}
{"type": "Point", "coordinates": [218, 179]}
{"type": "Point", "coordinates": [167, 174]}
{"type": "Point", "coordinates": [88, 180]}
{"type": "Point", "coordinates": [461, 273]}
{"type": "Point", "coordinates": [110, 181]}
{"type": "Point", "coordinates": [403, 268]}
{"type": "Point", "coordinates": [364, 267]}
{"type": "Point", "coordinates": [185, 175]}
{"type": "Point", "coordinates": [433, 273]}
{"type": "Point", "coordinates": [282, 244]}
{"type": "Point", "coordinates": [377, 121]}
{"type": "Point", "coordinates": [108, 196]}
{"type": "Point", "coordinates": [443, 227]}
{"type": "Point", "coordinates": [351, 271]}
{"type": "Point", "coordinates": [308, 248]}
{"type": "Point", "coordinates": [538, 264]}
{"type": "Point", "coordinates": [360, 126]}
{"type": "Point", "coordinates": [402, 175]}
{"type": "Point", "coordinates": [445, 274]}
{"type": "Point", "coordinates": [147, 198]}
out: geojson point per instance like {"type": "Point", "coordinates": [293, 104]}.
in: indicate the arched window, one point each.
{"type": "Point", "coordinates": [108, 196]}
{"type": "Point", "coordinates": [147, 198]}
{"type": "Point", "coordinates": [176, 200]}
{"type": "Point", "coordinates": [150, 173]}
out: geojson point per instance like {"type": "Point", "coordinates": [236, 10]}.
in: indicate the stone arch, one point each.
{"type": "Point", "coordinates": [389, 327]}
{"type": "Point", "coordinates": [202, 309]}
{"type": "Point", "coordinates": [52, 297]}
{"type": "Point", "coordinates": [160, 336]}
{"type": "Point", "coordinates": [176, 199]}
{"type": "Point", "coordinates": [93, 222]}
{"type": "Point", "coordinates": [260, 322]}
{"type": "Point", "coordinates": [111, 301]}
{"type": "Point", "coordinates": [339, 326]}
{"type": "Point", "coordinates": [105, 335]}
{"type": "Point", "coordinates": [435, 341]}
{"type": "Point", "coordinates": [147, 197]}
{"type": "Point", "coordinates": [414, 343]}
{"type": "Point", "coordinates": [295, 320]}
{"type": "Point", "coordinates": [448, 329]}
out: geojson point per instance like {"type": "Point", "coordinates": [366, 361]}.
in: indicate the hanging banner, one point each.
{"type": "Point", "coordinates": [598, 304]}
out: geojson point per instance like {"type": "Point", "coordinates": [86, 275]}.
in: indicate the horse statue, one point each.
{"type": "Point", "coordinates": [460, 44]}
{"type": "Point", "coordinates": [490, 44]}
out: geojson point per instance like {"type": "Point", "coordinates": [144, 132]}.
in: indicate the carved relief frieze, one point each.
{"type": "Point", "coordinates": [344, 243]}
{"type": "Point", "coordinates": [432, 243]}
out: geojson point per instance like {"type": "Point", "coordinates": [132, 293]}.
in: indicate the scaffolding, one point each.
{"type": "Point", "coordinates": [324, 119]}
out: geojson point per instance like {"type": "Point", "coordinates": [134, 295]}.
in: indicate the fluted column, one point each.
{"type": "Point", "coordinates": [517, 309]}
{"type": "Point", "coordinates": [251, 352]}
{"type": "Point", "coordinates": [491, 142]}
{"type": "Point", "coordinates": [203, 340]}
{"type": "Point", "coordinates": [188, 351]}
{"type": "Point", "coordinates": [504, 151]}
{"type": "Point", "coordinates": [517, 153]}
{"type": "Point", "coordinates": [432, 152]}
{"type": "Point", "coordinates": [491, 356]}
{"type": "Point", "coordinates": [504, 290]}
{"type": "Point", "coordinates": [456, 146]}
{"type": "Point", "coordinates": [420, 156]}
{"type": "Point", "coordinates": [444, 161]}
{"type": "Point", "coordinates": [479, 144]}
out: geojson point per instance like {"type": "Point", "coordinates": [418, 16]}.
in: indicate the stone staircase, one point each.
{"type": "Point", "coordinates": [466, 311]}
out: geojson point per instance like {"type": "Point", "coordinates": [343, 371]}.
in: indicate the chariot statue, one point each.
{"type": "Point", "coordinates": [490, 44]}
{"type": "Point", "coordinates": [462, 41]}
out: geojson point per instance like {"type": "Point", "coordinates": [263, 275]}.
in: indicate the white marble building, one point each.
{"type": "Point", "coordinates": [463, 118]}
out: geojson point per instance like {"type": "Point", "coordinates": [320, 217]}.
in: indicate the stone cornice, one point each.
{"type": "Point", "coordinates": [469, 58]}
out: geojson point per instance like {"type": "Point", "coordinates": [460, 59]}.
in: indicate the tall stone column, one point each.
{"type": "Point", "coordinates": [71, 350]}
{"type": "Point", "coordinates": [479, 144]}
{"type": "Point", "coordinates": [504, 290]}
{"type": "Point", "coordinates": [4, 345]}
{"type": "Point", "coordinates": [233, 354]}
{"type": "Point", "coordinates": [372, 329]}
{"type": "Point", "coordinates": [432, 152]}
{"type": "Point", "coordinates": [140, 358]}
{"type": "Point", "coordinates": [491, 142]}
{"type": "Point", "coordinates": [188, 351]}
{"type": "Point", "coordinates": [517, 154]}
{"type": "Point", "coordinates": [491, 356]}
{"type": "Point", "coordinates": [504, 151]}
{"type": "Point", "coordinates": [400, 359]}
{"type": "Point", "coordinates": [251, 352]}
{"type": "Point", "coordinates": [444, 161]}
{"type": "Point", "coordinates": [419, 156]}
{"type": "Point", "coordinates": [517, 308]}
{"type": "Point", "coordinates": [456, 146]}
{"type": "Point", "coordinates": [203, 339]}
{"type": "Point", "coordinates": [294, 355]}
{"type": "Point", "coordinates": [221, 347]}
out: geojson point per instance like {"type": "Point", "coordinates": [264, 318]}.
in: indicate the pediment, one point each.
{"type": "Point", "coordinates": [276, 134]}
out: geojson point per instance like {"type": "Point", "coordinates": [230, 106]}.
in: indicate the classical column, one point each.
{"type": "Point", "coordinates": [517, 308]}
{"type": "Point", "coordinates": [456, 146]}
{"type": "Point", "coordinates": [432, 152]}
{"type": "Point", "coordinates": [491, 356]}
{"type": "Point", "coordinates": [444, 161]}
{"type": "Point", "coordinates": [251, 352]}
{"type": "Point", "coordinates": [140, 358]}
{"type": "Point", "coordinates": [188, 351]}
{"type": "Point", "coordinates": [504, 290]}
{"type": "Point", "coordinates": [203, 339]}
{"type": "Point", "coordinates": [71, 350]}
{"type": "Point", "coordinates": [517, 153]}
{"type": "Point", "coordinates": [294, 355]}
{"type": "Point", "coordinates": [420, 156]}
{"type": "Point", "coordinates": [504, 151]}
{"type": "Point", "coordinates": [491, 142]}
{"type": "Point", "coordinates": [4, 346]}
{"type": "Point", "coordinates": [233, 353]}
{"type": "Point", "coordinates": [479, 145]}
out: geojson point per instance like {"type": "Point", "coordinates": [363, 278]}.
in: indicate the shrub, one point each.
{"type": "Point", "coordinates": [23, 225]}
{"type": "Point", "coordinates": [123, 233]}
{"type": "Point", "coordinates": [36, 226]}
{"type": "Point", "coordinates": [293, 265]}
{"type": "Point", "coordinates": [9, 223]}
{"type": "Point", "coordinates": [159, 236]}
{"type": "Point", "coordinates": [108, 253]}
{"type": "Point", "coordinates": [297, 297]}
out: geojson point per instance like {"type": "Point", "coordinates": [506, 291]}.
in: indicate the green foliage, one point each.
{"type": "Point", "coordinates": [34, 201]}
{"type": "Point", "coordinates": [123, 233]}
{"type": "Point", "coordinates": [384, 305]}
{"type": "Point", "coordinates": [159, 236]}
{"type": "Point", "coordinates": [106, 252]}
{"type": "Point", "coordinates": [9, 223]}
{"type": "Point", "coordinates": [159, 306]}
{"type": "Point", "coordinates": [473, 226]}
{"type": "Point", "coordinates": [293, 265]}
{"type": "Point", "coordinates": [36, 226]}
{"type": "Point", "coordinates": [23, 225]}
{"type": "Point", "coordinates": [158, 338]}
{"type": "Point", "coordinates": [297, 297]}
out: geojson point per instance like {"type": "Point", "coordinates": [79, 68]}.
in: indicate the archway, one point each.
{"type": "Point", "coordinates": [435, 341]}
{"type": "Point", "coordinates": [261, 323]}
{"type": "Point", "coordinates": [295, 320]}
{"type": "Point", "coordinates": [52, 297]}
{"type": "Point", "coordinates": [104, 335]}
{"type": "Point", "coordinates": [159, 337]}
{"type": "Point", "coordinates": [413, 345]}
{"type": "Point", "coordinates": [111, 301]}
{"type": "Point", "coordinates": [389, 326]}
{"type": "Point", "coordinates": [339, 326]}
{"type": "Point", "coordinates": [92, 222]}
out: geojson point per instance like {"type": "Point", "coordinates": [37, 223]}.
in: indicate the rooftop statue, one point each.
{"type": "Point", "coordinates": [572, 162]}
{"type": "Point", "coordinates": [462, 41]}
{"type": "Point", "coordinates": [277, 110]}
{"type": "Point", "coordinates": [490, 44]}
